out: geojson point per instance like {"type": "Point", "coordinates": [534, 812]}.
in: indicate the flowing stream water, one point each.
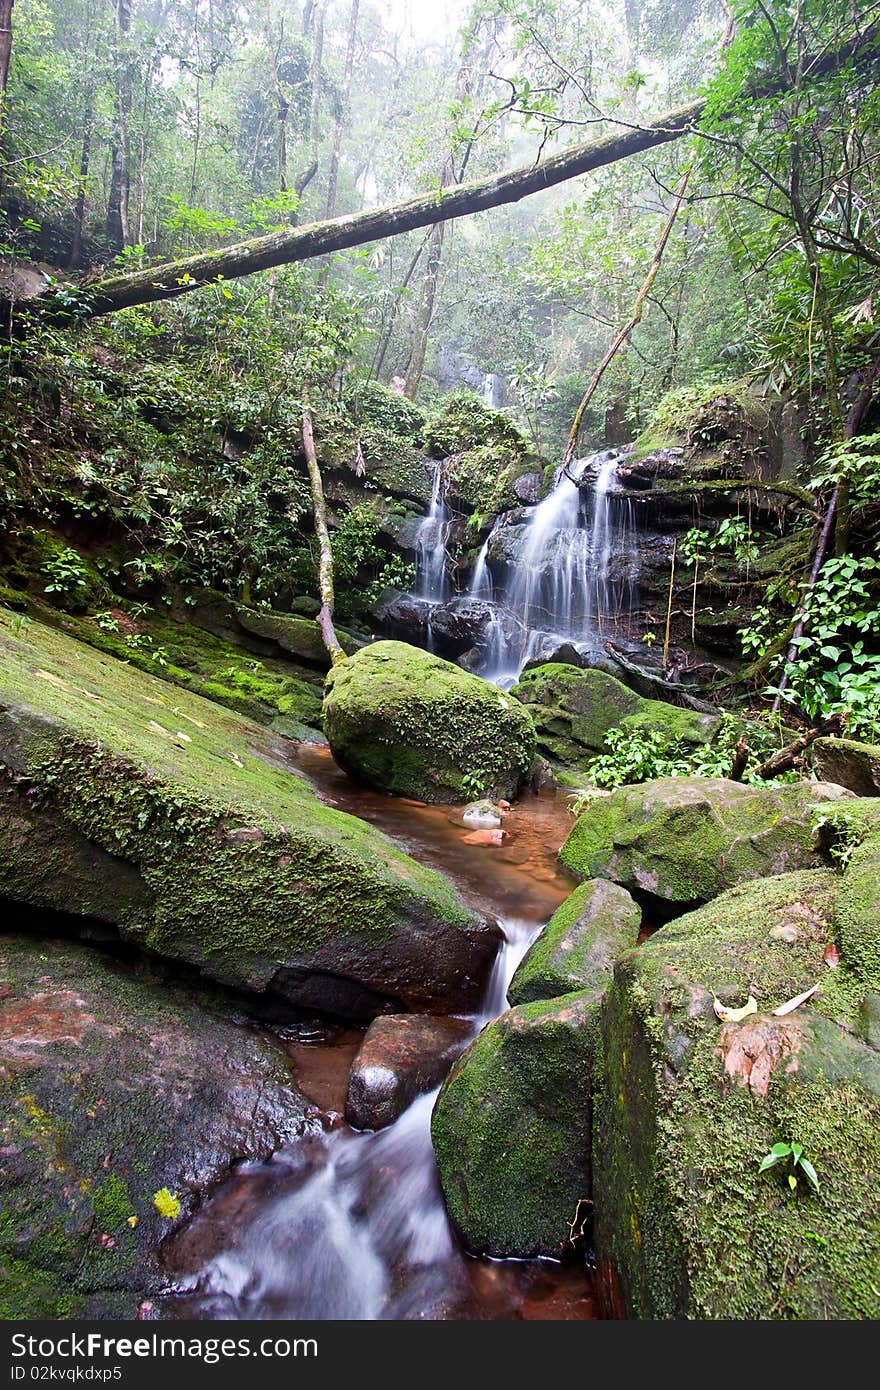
{"type": "Point", "coordinates": [347, 1225]}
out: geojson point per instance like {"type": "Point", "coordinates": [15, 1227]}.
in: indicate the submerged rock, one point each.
{"type": "Point", "coordinates": [401, 1056]}
{"type": "Point", "coordinates": [573, 710]}
{"type": "Point", "coordinates": [579, 945]}
{"type": "Point", "coordinates": [512, 1128]}
{"type": "Point", "coordinates": [181, 824]}
{"type": "Point", "coordinates": [686, 1225]}
{"type": "Point", "coordinates": [410, 723]}
{"type": "Point", "coordinates": [686, 839]}
{"type": "Point", "coordinates": [114, 1087]}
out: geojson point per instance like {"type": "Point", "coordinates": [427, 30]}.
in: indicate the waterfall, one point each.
{"type": "Point", "coordinates": [573, 571]}
{"type": "Point", "coordinates": [432, 579]}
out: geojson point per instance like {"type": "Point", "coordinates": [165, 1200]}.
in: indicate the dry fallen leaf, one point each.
{"type": "Point", "coordinates": [831, 956]}
{"type": "Point", "coordinates": [791, 1004]}
{"type": "Point", "coordinates": [62, 685]}
{"type": "Point", "coordinates": [236, 759]}
{"type": "Point", "coordinates": [734, 1015]}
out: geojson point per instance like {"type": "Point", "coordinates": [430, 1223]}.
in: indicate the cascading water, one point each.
{"type": "Point", "coordinates": [573, 567]}
{"type": "Point", "coordinates": [432, 578]}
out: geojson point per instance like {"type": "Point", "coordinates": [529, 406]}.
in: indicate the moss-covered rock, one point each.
{"type": "Point", "coordinates": [857, 910]}
{"type": "Point", "coordinates": [849, 763]}
{"type": "Point", "coordinates": [113, 1086]}
{"type": "Point", "coordinates": [207, 848]}
{"type": "Point", "coordinates": [298, 636]}
{"type": "Point", "coordinates": [511, 1128]}
{"type": "Point", "coordinates": [41, 563]}
{"type": "Point", "coordinates": [413, 724]}
{"type": "Point", "coordinates": [579, 945]}
{"type": "Point", "coordinates": [574, 709]}
{"type": "Point", "coordinates": [462, 421]}
{"type": "Point", "coordinates": [687, 1106]}
{"type": "Point", "coordinates": [686, 839]}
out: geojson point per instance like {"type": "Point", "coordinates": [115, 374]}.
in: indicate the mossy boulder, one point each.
{"type": "Point", "coordinates": [579, 945]}
{"type": "Point", "coordinates": [413, 724]}
{"type": "Point", "coordinates": [857, 910]}
{"type": "Point", "coordinates": [184, 826]}
{"type": "Point", "coordinates": [114, 1085]}
{"type": "Point", "coordinates": [298, 636]}
{"type": "Point", "coordinates": [686, 839]}
{"type": "Point", "coordinates": [687, 1106]}
{"type": "Point", "coordinates": [512, 1124]}
{"type": "Point", "coordinates": [573, 710]}
{"type": "Point", "coordinates": [850, 763]}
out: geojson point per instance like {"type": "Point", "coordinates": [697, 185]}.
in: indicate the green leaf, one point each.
{"type": "Point", "coordinates": [781, 1150]}
{"type": "Point", "coordinates": [811, 1174]}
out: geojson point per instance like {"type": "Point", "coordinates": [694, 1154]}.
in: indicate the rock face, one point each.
{"type": "Point", "coordinates": [512, 1127]}
{"type": "Point", "coordinates": [850, 764]}
{"type": "Point", "coordinates": [409, 723]}
{"type": "Point", "coordinates": [112, 1087]}
{"type": "Point", "coordinates": [180, 824]}
{"type": "Point", "coordinates": [578, 947]}
{"type": "Point", "coordinates": [857, 911]}
{"type": "Point", "coordinates": [686, 839]}
{"type": "Point", "coordinates": [295, 635]}
{"type": "Point", "coordinates": [686, 1225]}
{"type": "Point", "coordinates": [573, 710]}
{"type": "Point", "coordinates": [401, 1056]}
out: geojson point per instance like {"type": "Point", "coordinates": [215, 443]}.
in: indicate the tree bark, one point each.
{"type": "Point", "coordinates": [343, 109]}
{"type": "Point", "coordinates": [5, 53]}
{"type": "Point", "coordinates": [325, 552]}
{"type": "Point", "coordinates": [79, 212]}
{"type": "Point", "coordinates": [423, 210]}
{"type": "Point", "coordinates": [117, 201]}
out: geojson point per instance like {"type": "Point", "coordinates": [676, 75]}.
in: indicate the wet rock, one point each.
{"type": "Point", "coordinates": [686, 839]}
{"type": "Point", "coordinates": [410, 723]}
{"type": "Point", "coordinates": [688, 1106]}
{"type": "Point", "coordinates": [295, 635]}
{"type": "Point", "coordinates": [573, 710]}
{"type": "Point", "coordinates": [482, 813]}
{"type": "Point", "coordinates": [405, 618]}
{"type": "Point", "coordinates": [114, 1086]}
{"type": "Point", "coordinates": [180, 824]}
{"type": "Point", "coordinates": [527, 488]}
{"type": "Point", "coordinates": [849, 763]}
{"type": "Point", "coordinates": [512, 1128]}
{"type": "Point", "coordinates": [401, 1057]}
{"type": "Point", "coordinates": [578, 947]}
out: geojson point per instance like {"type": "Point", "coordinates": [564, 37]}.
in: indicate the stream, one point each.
{"type": "Point", "coordinates": [347, 1225]}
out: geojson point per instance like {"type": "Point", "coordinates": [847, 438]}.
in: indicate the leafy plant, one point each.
{"type": "Point", "coordinates": [790, 1157]}
{"type": "Point", "coordinates": [67, 572]}
{"type": "Point", "coordinates": [473, 784]}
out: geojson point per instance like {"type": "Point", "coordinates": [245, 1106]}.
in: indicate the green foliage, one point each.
{"type": "Point", "coordinates": [67, 572]}
{"type": "Point", "coordinates": [461, 421]}
{"type": "Point", "coordinates": [834, 670]}
{"type": "Point", "coordinates": [473, 784]}
{"type": "Point", "coordinates": [790, 1158]}
{"type": "Point", "coordinates": [636, 755]}
{"type": "Point", "coordinates": [387, 411]}
{"type": "Point", "coordinates": [362, 566]}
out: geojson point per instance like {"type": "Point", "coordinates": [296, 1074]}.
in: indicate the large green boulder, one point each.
{"type": "Point", "coordinates": [410, 723]}
{"type": "Point", "coordinates": [579, 945]}
{"type": "Point", "coordinates": [183, 826]}
{"type": "Point", "coordinates": [857, 910]}
{"type": "Point", "coordinates": [511, 1128]}
{"type": "Point", "coordinates": [687, 1105]}
{"type": "Point", "coordinates": [686, 839]}
{"type": "Point", "coordinates": [115, 1086]}
{"type": "Point", "coordinates": [574, 709]}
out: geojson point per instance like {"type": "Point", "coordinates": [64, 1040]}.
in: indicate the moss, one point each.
{"type": "Point", "coordinates": [578, 947]}
{"type": "Point", "coordinates": [511, 1128]}
{"type": "Point", "coordinates": [683, 1119]}
{"type": "Point", "coordinates": [27, 557]}
{"type": "Point", "coordinates": [245, 870]}
{"type": "Point", "coordinates": [574, 709]}
{"type": "Point", "coordinates": [413, 724]}
{"type": "Point", "coordinates": [686, 839]}
{"type": "Point", "coordinates": [857, 911]}
{"type": "Point", "coordinates": [461, 422]}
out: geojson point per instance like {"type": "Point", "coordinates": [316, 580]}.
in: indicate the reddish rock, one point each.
{"type": "Point", "coordinates": [402, 1056]}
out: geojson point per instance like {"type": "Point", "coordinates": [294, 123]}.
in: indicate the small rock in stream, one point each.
{"type": "Point", "coordinates": [402, 1056]}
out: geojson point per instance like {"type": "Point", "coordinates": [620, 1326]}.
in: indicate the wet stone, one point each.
{"type": "Point", "coordinates": [402, 1056]}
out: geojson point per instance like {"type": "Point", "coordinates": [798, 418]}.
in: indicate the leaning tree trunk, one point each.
{"type": "Point", "coordinates": [426, 314]}
{"type": "Point", "coordinates": [117, 201]}
{"type": "Point", "coordinates": [5, 51]}
{"type": "Point", "coordinates": [424, 210]}
{"type": "Point", "coordinates": [322, 532]}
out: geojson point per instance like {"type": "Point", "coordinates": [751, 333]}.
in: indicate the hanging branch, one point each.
{"type": "Point", "coordinates": [325, 564]}
{"type": "Point", "coordinates": [638, 308]}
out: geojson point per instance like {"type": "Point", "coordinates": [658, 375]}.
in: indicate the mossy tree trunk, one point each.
{"type": "Point", "coordinates": [322, 532]}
